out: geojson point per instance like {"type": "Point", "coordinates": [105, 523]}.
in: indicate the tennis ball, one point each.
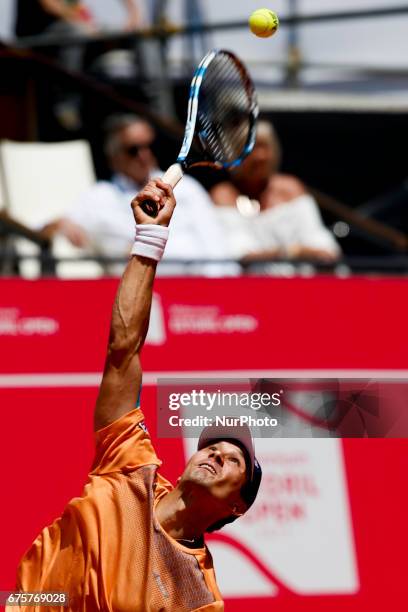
{"type": "Point", "coordinates": [263, 23]}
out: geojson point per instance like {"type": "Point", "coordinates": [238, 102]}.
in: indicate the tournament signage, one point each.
{"type": "Point", "coordinates": [329, 527]}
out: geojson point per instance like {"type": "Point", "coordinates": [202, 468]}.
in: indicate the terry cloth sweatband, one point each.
{"type": "Point", "coordinates": [150, 241]}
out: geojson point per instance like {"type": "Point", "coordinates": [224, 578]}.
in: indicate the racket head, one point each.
{"type": "Point", "coordinates": [222, 113]}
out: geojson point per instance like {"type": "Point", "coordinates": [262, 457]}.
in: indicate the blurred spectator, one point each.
{"type": "Point", "coordinates": [35, 17]}
{"type": "Point", "coordinates": [270, 215]}
{"type": "Point", "coordinates": [64, 18]}
{"type": "Point", "coordinates": [103, 221]}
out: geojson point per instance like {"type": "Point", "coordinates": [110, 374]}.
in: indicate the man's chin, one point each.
{"type": "Point", "coordinates": [200, 477]}
{"type": "Point", "coordinates": [203, 475]}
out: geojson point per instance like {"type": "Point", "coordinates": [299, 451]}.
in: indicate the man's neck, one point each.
{"type": "Point", "coordinates": [184, 515]}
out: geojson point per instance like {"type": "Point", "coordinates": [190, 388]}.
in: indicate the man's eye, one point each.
{"type": "Point", "coordinates": [234, 460]}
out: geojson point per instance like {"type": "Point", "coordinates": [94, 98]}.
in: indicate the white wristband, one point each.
{"type": "Point", "coordinates": [150, 241]}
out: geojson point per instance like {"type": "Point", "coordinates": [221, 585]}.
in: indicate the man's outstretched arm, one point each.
{"type": "Point", "coordinates": [122, 375]}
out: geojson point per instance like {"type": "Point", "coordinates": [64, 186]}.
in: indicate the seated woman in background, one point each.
{"type": "Point", "coordinates": [271, 215]}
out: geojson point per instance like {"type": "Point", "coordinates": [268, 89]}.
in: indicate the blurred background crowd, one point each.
{"type": "Point", "coordinates": [92, 103]}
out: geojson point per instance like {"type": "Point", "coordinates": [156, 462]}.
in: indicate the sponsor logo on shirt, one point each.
{"type": "Point", "coordinates": [142, 425]}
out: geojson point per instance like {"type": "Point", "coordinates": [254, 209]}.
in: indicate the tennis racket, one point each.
{"type": "Point", "coordinates": [221, 119]}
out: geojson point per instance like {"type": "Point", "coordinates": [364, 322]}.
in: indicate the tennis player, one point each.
{"type": "Point", "coordinates": [131, 541]}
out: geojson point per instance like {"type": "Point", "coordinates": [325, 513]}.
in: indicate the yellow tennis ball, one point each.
{"type": "Point", "coordinates": [263, 23]}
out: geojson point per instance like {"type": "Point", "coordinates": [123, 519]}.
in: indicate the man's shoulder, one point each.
{"type": "Point", "coordinates": [124, 445]}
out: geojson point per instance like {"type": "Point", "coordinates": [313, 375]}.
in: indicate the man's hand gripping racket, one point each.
{"type": "Point", "coordinates": [221, 119]}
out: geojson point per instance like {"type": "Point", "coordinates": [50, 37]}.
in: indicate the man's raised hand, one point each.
{"type": "Point", "coordinates": [162, 194]}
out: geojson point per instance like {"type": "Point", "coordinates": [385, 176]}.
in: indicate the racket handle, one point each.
{"type": "Point", "coordinates": [172, 176]}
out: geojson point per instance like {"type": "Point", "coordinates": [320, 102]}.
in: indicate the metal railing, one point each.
{"type": "Point", "coordinates": [171, 31]}
{"type": "Point", "coordinates": [389, 265]}
{"type": "Point", "coordinates": [292, 65]}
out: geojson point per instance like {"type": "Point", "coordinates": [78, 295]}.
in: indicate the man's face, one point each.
{"type": "Point", "coordinates": [134, 157]}
{"type": "Point", "coordinates": [219, 469]}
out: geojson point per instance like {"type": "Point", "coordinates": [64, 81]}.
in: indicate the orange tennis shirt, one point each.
{"type": "Point", "coordinates": [107, 550]}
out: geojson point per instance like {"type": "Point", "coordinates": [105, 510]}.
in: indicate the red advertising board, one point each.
{"type": "Point", "coordinates": [329, 529]}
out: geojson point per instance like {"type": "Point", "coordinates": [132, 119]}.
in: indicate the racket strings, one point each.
{"type": "Point", "coordinates": [225, 113]}
{"type": "Point", "coordinates": [226, 143]}
{"type": "Point", "coordinates": [228, 110]}
{"type": "Point", "coordinates": [225, 109]}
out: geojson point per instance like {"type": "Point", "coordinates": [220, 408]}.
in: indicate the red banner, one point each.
{"type": "Point", "coordinates": [211, 325]}
{"type": "Point", "coordinates": [329, 528]}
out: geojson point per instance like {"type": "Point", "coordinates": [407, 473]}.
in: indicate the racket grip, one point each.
{"type": "Point", "coordinates": [172, 176]}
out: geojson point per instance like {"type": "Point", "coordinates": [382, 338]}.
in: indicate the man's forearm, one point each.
{"type": "Point", "coordinates": [130, 316]}
{"type": "Point", "coordinates": [130, 320]}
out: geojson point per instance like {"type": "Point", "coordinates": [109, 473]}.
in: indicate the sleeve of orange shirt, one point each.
{"type": "Point", "coordinates": [124, 446]}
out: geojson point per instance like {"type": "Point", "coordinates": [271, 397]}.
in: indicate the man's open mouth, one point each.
{"type": "Point", "coordinates": [209, 467]}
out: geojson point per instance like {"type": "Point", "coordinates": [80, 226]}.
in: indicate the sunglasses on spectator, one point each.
{"type": "Point", "coordinates": [134, 150]}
